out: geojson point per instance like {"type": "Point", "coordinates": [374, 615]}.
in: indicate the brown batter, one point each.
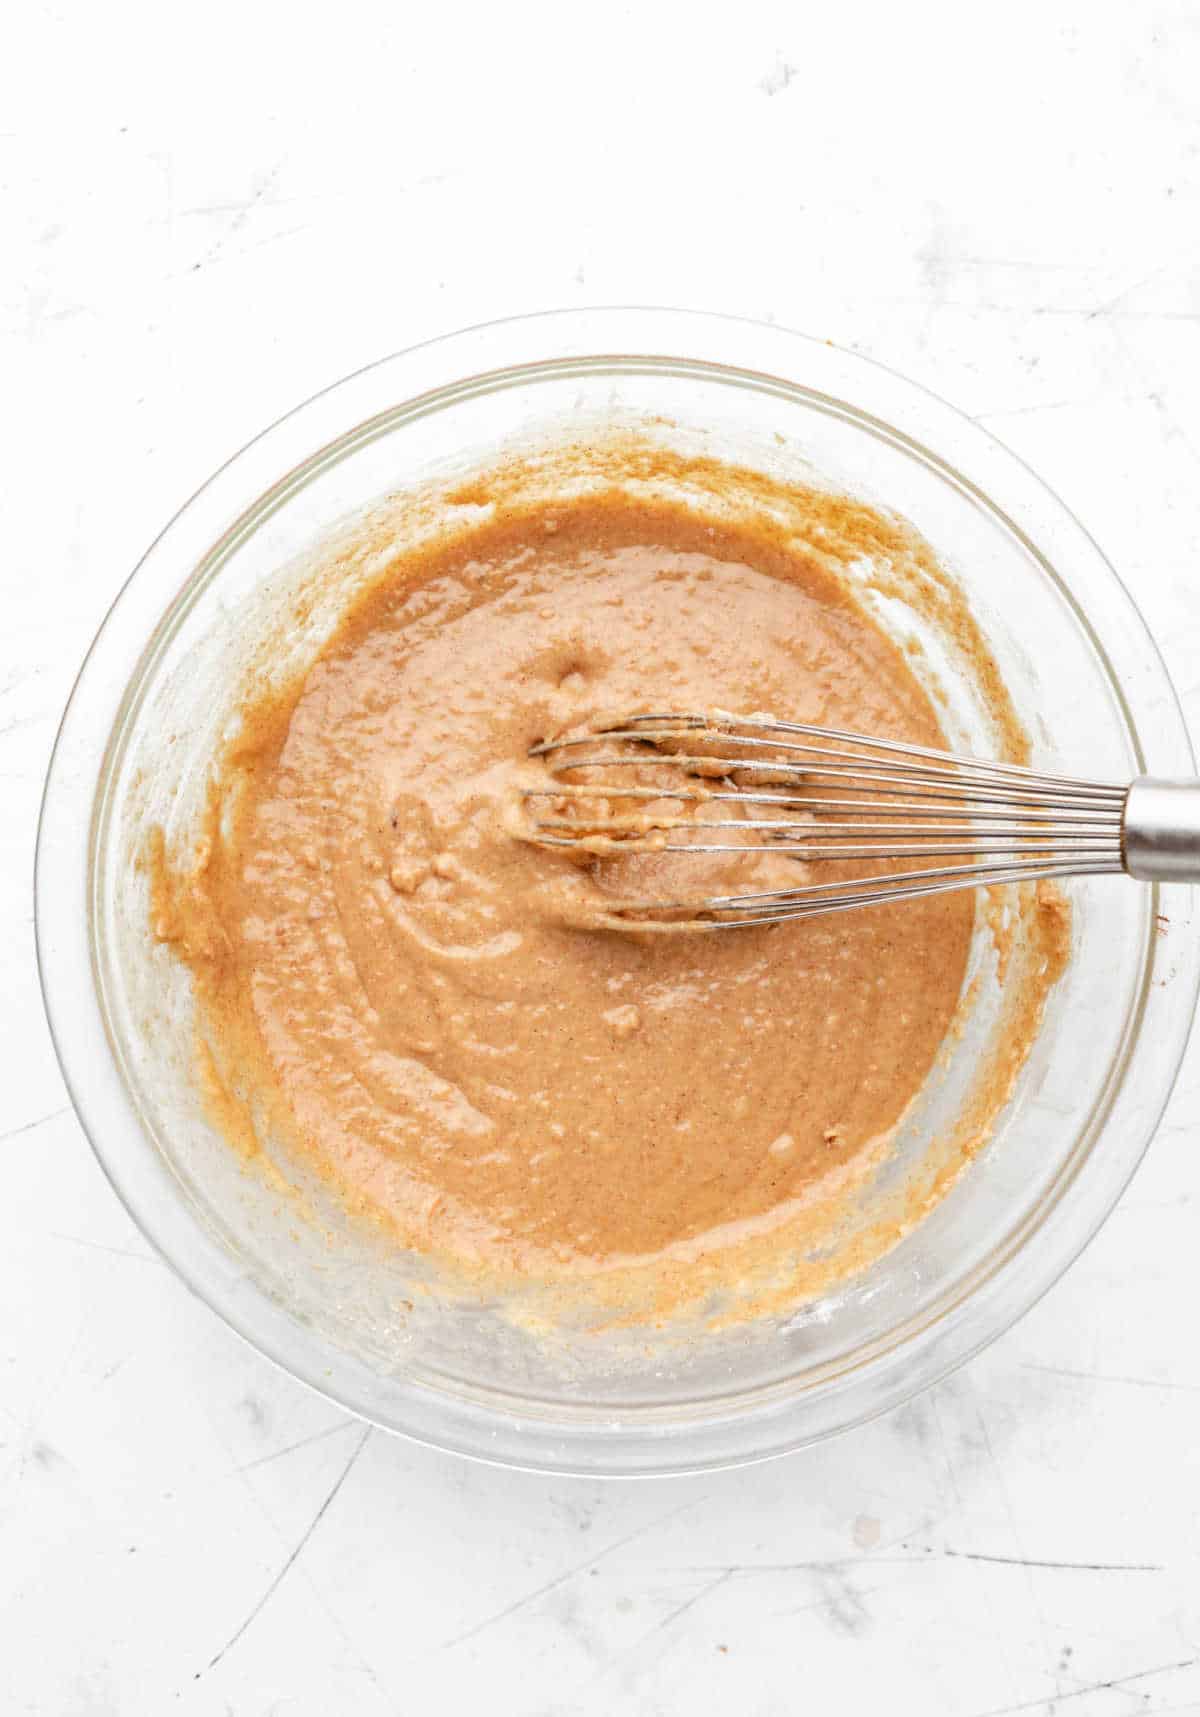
{"type": "Point", "coordinates": [393, 984]}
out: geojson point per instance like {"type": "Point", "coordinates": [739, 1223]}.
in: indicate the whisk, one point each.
{"type": "Point", "coordinates": [711, 782]}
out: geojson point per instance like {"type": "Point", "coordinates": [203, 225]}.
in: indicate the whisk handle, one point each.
{"type": "Point", "coordinates": [1160, 830]}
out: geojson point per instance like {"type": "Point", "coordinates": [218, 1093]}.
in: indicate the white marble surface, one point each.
{"type": "Point", "coordinates": [209, 213]}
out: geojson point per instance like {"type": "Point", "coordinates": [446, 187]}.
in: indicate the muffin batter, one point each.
{"type": "Point", "coordinates": [410, 998]}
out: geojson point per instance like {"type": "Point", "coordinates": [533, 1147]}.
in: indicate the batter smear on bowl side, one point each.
{"type": "Point", "coordinates": [394, 989]}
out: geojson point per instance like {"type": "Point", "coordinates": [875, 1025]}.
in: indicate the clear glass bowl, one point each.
{"type": "Point", "coordinates": [143, 720]}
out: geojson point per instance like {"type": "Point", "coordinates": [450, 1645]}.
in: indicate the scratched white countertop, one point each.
{"type": "Point", "coordinates": [209, 214]}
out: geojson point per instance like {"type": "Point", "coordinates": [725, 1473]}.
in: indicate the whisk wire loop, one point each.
{"type": "Point", "coordinates": [698, 783]}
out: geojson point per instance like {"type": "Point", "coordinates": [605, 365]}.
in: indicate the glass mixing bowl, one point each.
{"type": "Point", "coordinates": [341, 1313]}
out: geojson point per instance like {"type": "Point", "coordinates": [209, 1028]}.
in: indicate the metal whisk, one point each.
{"type": "Point", "coordinates": [711, 782]}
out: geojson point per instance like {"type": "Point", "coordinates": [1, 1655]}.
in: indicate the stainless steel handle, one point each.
{"type": "Point", "coordinates": [1160, 830]}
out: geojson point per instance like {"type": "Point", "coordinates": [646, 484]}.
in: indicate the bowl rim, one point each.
{"type": "Point", "coordinates": [234, 499]}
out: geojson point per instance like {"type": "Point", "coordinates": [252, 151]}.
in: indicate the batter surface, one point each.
{"type": "Point", "coordinates": [401, 991]}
